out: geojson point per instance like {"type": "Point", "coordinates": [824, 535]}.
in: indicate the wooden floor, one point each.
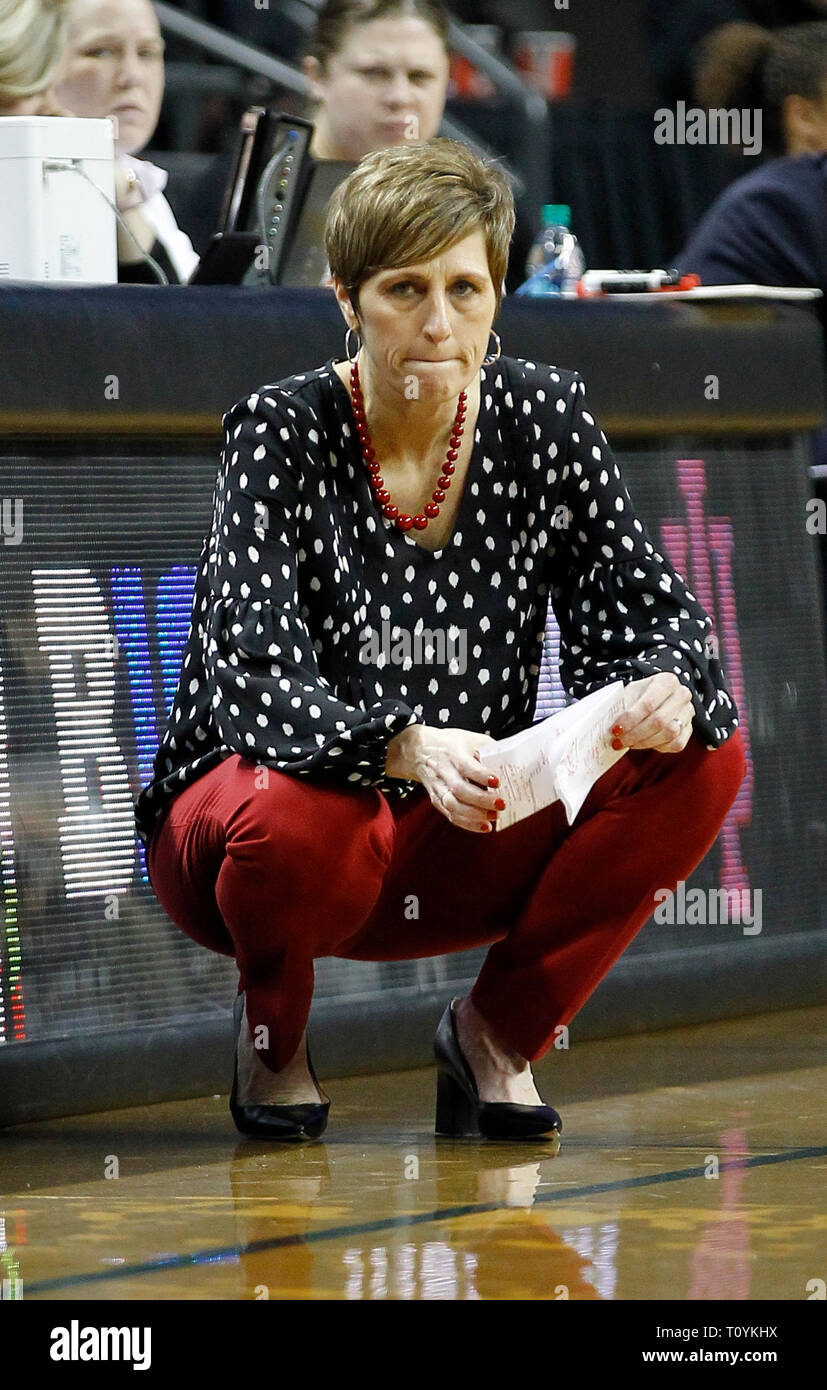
{"type": "Point", "coordinates": [631, 1207]}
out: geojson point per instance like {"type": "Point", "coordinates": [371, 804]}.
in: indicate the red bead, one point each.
{"type": "Point", "coordinates": [403, 520]}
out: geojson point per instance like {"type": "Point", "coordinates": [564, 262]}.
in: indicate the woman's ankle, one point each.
{"type": "Point", "coordinates": [293, 1084]}
{"type": "Point", "coordinates": [487, 1039]}
{"type": "Point", "coordinates": [498, 1079]}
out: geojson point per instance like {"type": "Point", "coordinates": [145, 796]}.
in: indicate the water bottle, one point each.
{"type": "Point", "coordinates": [555, 262]}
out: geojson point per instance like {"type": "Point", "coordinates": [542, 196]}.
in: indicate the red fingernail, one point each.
{"type": "Point", "coordinates": [493, 781]}
{"type": "Point", "coordinates": [499, 804]}
{"type": "Point", "coordinates": [488, 827]}
{"type": "Point", "coordinates": [616, 729]}
{"type": "Point", "coordinates": [492, 815]}
{"type": "Point", "coordinates": [616, 743]}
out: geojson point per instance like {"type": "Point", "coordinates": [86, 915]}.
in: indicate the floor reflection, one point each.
{"type": "Point", "coordinates": [667, 1186]}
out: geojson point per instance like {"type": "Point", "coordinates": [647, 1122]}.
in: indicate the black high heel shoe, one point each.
{"type": "Point", "coordinates": [301, 1121]}
{"type": "Point", "coordinates": [461, 1114]}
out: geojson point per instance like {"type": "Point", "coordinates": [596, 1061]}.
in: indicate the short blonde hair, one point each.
{"type": "Point", "coordinates": [407, 203]}
{"type": "Point", "coordinates": [32, 34]}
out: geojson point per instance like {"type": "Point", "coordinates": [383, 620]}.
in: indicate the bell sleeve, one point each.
{"type": "Point", "coordinates": [269, 701]}
{"type": "Point", "coordinates": [623, 611]}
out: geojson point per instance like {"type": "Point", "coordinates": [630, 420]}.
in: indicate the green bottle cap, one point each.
{"type": "Point", "coordinates": [556, 214]}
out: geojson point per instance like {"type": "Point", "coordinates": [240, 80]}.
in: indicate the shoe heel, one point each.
{"type": "Point", "coordinates": [456, 1114]}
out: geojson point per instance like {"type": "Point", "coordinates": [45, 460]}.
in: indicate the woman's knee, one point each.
{"type": "Point", "coordinates": [720, 771]}
{"type": "Point", "coordinates": [728, 762]}
{"type": "Point", "coordinates": [334, 839]}
{"type": "Point", "coordinates": [181, 877]}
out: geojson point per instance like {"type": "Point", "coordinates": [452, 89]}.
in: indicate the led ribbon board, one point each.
{"type": "Point", "coordinates": [94, 612]}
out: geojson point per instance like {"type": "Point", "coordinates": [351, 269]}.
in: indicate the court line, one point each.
{"type": "Point", "coordinates": [390, 1223]}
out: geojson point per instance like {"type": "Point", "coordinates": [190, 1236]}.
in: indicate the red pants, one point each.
{"type": "Point", "coordinates": [278, 875]}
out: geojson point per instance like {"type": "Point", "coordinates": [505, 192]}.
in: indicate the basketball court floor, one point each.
{"type": "Point", "coordinates": [692, 1167]}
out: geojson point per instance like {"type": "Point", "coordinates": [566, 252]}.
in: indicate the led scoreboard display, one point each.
{"type": "Point", "coordinates": [98, 563]}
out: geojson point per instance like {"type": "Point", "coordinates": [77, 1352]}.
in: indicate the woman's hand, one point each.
{"type": "Point", "coordinates": [444, 761]}
{"type": "Point", "coordinates": [124, 183]}
{"type": "Point", "coordinates": [126, 188]}
{"type": "Point", "coordinates": [654, 705]}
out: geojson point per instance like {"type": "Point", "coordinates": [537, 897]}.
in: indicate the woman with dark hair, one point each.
{"type": "Point", "coordinates": [378, 71]}
{"type": "Point", "coordinates": [379, 74]}
{"type": "Point", "coordinates": [770, 227]}
{"type": "Point", "coordinates": [783, 74]}
{"type": "Point", "coordinates": [302, 794]}
{"type": "Point", "coordinates": [692, 42]}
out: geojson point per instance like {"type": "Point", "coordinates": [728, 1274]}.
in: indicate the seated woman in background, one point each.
{"type": "Point", "coordinates": [113, 65]}
{"type": "Point", "coordinates": [31, 38]}
{"type": "Point", "coordinates": [379, 76]}
{"type": "Point", "coordinates": [769, 227]}
{"type": "Point", "coordinates": [378, 73]}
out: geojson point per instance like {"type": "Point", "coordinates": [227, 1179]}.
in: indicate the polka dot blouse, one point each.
{"type": "Point", "coordinates": [301, 569]}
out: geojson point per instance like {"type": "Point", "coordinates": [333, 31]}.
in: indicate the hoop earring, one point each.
{"type": "Point", "coordinates": [499, 348]}
{"type": "Point", "coordinates": [347, 348]}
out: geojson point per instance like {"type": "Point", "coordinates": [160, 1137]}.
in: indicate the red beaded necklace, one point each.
{"type": "Point", "coordinates": [380, 492]}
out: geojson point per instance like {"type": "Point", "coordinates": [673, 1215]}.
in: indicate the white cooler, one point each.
{"type": "Point", "coordinates": [55, 227]}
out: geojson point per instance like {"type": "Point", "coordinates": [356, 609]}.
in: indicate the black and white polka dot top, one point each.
{"type": "Point", "coordinates": [319, 630]}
